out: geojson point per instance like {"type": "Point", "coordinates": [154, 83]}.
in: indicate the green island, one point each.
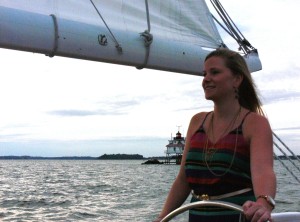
{"type": "Point", "coordinates": [121, 157]}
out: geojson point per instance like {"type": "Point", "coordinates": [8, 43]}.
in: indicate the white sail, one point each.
{"type": "Point", "coordinates": [110, 31]}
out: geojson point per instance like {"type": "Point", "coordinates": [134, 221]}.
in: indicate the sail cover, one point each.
{"type": "Point", "coordinates": [171, 35]}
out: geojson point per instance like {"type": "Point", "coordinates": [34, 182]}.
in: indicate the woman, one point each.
{"type": "Point", "coordinates": [229, 151]}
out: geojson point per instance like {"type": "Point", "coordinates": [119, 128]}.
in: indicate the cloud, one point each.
{"type": "Point", "coordinates": [13, 132]}
{"type": "Point", "coordinates": [11, 137]}
{"type": "Point", "coordinates": [295, 129]}
{"type": "Point", "coordinates": [274, 96]}
{"type": "Point", "coordinates": [278, 85]}
{"type": "Point", "coordinates": [118, 107]}
{"type": "Point", "coordinates": [74, 113]}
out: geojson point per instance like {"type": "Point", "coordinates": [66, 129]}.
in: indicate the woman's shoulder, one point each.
{"type": "Point", "coordinates": [197, 120]}
{"type": "Point", "coordinates": [252, 118]}
{"type": "Point", "coordinates": [199, 116]}
{"type": "Point", "coordinates": [255, 123]}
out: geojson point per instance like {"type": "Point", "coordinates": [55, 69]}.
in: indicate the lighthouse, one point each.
{"type": "Point", "coordinates": [174, 149]}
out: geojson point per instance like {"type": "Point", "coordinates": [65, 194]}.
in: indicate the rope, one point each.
{"type": "Point", "coordinates": [286, 156]}
{"type": "Point", "coordinates": [294, 155]}
{"type": "Point", "coordinates": [118, 46]}
{"type": "Point", "coordinates": [287, 168]}
{"type": "Point", "coordinates": [148, 38]}
{"type": "Point", "coordinates": [56, 37]}
{"type": "Point", "coordinates": [148, 17]}
{"type": "Point", "coordinates": [231, 28]}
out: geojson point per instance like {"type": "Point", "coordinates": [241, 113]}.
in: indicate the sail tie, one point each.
{"type": "Point", "coordinates": [118, 46]}
{"type": "Point", "coordinates": [148, 38]}
{"type": "Point", "coordinates": [56, 37]}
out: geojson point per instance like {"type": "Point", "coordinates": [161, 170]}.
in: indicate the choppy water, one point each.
{"type": "Point", "coordinates": [60, 190]}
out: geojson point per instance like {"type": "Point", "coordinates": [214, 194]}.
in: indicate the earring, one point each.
{"type": "Point", "coordinates": [236, 91]}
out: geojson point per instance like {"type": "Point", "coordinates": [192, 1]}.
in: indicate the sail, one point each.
{"type": "Point", "coordinates": [165, 35]}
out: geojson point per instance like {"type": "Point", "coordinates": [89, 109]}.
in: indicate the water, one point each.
{"type": "Point", "coordinates": [97, 190]}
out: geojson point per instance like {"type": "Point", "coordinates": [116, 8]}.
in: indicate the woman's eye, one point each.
{"type": "Point", "coordinates": [215, 72]}
{"type": "Point", "coordinates": [210, 72]}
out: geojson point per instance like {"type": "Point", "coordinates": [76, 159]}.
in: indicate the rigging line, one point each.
{"type": "Point", "coordinates": [242, 39]}
{"type": "Point", "coordinates": [229, 20]}
{"type": "Point", "coordinates": [148, 17]}
{"type": "Point", "coordinates": [148, 38]}
{"type": "Point", "coordinates": [285, 166]}
{"type": "Point", "coordinates": [294, 155]}
{"type": "Point", "coordinates": [220, 13]}
{"type": "Point", "coordinates": [118, 46]}
{"type": "Point", "coordinates": [232, 28]}
{"type": "Point", "coordinates": [225, 29]}
{"type": "Point", "coordinates": [286, 156]}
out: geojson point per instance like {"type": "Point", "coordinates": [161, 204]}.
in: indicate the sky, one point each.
{"type": "Point", "coordinates": [69, 107]}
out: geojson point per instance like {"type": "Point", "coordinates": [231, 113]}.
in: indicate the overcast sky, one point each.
{"type": "Point", "coordinates": [68, 107]}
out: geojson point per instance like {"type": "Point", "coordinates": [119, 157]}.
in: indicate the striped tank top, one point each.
{"type": "Point", "coordinates": [225, 170]}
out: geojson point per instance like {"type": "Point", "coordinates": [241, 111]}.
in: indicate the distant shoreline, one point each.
{"type": "Point", "coordinates": [103, 157]}
{"type": "Point", "coordinates": [47, 158]}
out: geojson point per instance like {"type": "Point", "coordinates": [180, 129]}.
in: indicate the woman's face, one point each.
{"type": "Point", "coordinates": [219, 81]}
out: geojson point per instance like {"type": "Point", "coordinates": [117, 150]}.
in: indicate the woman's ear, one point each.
{"type": "Point", "coordinates": [238, 80]}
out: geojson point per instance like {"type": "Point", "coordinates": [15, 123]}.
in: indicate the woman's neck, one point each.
{"type": "Point", "coordinates": [226, 111]}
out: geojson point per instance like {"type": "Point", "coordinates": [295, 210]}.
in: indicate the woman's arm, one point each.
{"type": "Point", "coordinates": [180, 189]}
{"type": "Point", "coordinates": [177, 195]}
{"type": "Point", "coordinates": [259, 134]}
